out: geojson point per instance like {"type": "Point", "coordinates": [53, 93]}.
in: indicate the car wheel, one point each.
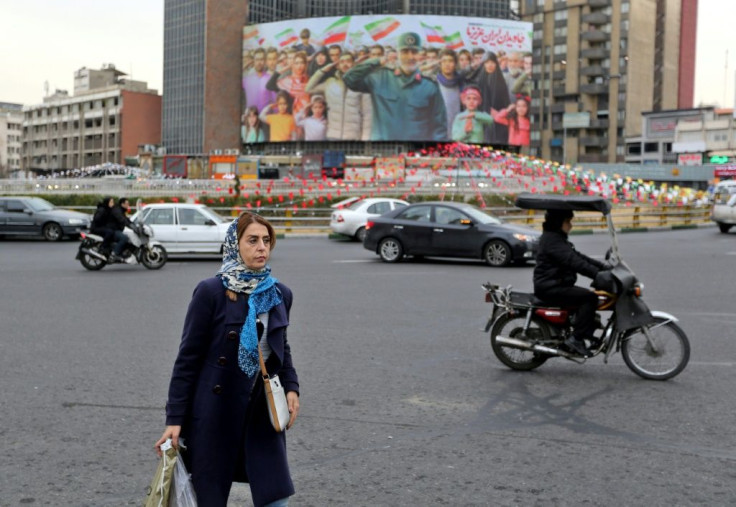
{"type": "Point", "coordinates": [360, 234]}
{"type": "Point", "coordinates": [390, 250]}
{"type": "Point", "coordinates": [52, 232]}
{"type": "Point", "coordinates": [497, 253]}
{"type": "Point", "coordinates": [724, 227]}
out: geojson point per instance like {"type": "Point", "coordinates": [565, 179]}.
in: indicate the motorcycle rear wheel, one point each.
{"type": "Point", "coordinates": [154, 257]}
{"type": "Point", "coordinates": [512, 326]}
{"type": "Point", "coordinates": [91, 262]}
{"type": "Point", "coordinates": [670, 357]}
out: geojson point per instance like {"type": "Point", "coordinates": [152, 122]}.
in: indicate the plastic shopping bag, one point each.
{"type": "Point", "coordinates": [182, 491]}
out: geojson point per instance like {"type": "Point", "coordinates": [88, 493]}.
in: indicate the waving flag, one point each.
{"type": "Point", "coordinates": [250, 32]}
{"type": "Point", "coordinates": [286, 37]}
{"type": "Point", "coordinates": [356, 39]}
{"type": "Point", "coordinates": [454, 41]}
{"type": "Point", "coordinates": [337, 32]}
{"type": "Point", "coordinates": [381, 28]}
{"type": "Point", "coordinates": [433, 33]}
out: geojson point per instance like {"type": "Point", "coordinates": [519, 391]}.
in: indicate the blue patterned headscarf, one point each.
{"type": "Point", "coordinates": [259, 285]}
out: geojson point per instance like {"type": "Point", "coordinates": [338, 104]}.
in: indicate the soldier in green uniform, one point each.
{"type": "Point", "coordinates": [407, 106]}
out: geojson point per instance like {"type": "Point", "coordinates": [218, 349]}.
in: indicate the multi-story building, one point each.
{"type": "Point", "coordinates": [105, 120]}
{"type": "Point", "coordinates": [11, 120]}
{"type": "Point", "coordinates": [203, 46]}
{"type": "Point", "coordinates": [599, 64]}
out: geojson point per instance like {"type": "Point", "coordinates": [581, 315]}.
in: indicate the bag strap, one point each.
{"type": "Point", "coordinates": [264, 372]}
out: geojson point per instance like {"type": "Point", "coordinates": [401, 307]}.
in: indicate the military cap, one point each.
{"type": "Point", "coordinates": [410, 40]}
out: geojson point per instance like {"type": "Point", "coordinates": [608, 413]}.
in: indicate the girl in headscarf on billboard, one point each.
{"type": "Point", "coordinates": [494, 95]}
{"type": "Point", "coordinates": [319, 60]}
{"type": "Point", "coordinates": [294, 83]}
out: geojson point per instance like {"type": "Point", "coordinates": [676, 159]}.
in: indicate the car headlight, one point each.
{"type": "Point", "coordinates": [76, 221]}
{"type": "Point", "coordinates": [524, 237]}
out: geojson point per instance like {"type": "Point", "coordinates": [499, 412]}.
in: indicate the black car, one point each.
{"type": "Point", "coordinates": [33, 216]}
{"type": "Point", "coordinates": [449, 229]}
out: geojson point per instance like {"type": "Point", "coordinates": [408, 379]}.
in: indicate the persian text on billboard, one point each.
{"type": "Point", "coordinates": [388, 78]}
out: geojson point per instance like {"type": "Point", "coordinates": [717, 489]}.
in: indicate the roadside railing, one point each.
{"type": "Point", "coordinates": [625, 218]}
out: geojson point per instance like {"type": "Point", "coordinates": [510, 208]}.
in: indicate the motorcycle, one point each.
{"type": "Point", "coordinates": [140, 248]}
{"type": "Point", "coordinates": [525, 331]}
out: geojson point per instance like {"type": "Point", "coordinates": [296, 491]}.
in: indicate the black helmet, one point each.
{"type": "Point", "coordinates": [554, 218]}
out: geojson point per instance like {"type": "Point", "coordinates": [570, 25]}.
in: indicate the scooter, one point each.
{"type": "Point", "coordinates": [525, 331]}
{"type": "Point", "coordinates": [140, 248]}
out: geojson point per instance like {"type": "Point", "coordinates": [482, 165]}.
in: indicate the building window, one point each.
{"type": "Point", "coordinates": [651, 147]}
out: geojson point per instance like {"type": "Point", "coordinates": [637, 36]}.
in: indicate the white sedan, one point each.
{"type": "Point", "coordinates": [351, 219]}
{"type": "Point", "coordinates": [185, 228]}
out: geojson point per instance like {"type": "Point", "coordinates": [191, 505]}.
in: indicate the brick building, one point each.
{"type": "Point", "coordinates": [104, 121]}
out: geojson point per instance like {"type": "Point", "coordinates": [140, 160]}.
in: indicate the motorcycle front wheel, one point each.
{"type": "Point", "coordinates": [91, 262]}
{"type": "Point", "coordinates": [663, 358]}
{"type": "Point", "coordinates": [154, 257]}
{"type": "Point", "coordinates": [512, 326]}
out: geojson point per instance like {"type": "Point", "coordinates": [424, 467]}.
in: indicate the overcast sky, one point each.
{"type": "Point", "coordinates": [47, 40]}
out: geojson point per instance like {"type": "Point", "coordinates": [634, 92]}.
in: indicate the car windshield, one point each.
{"type": "Point", "coordinates": [481, 217]}
{"type": "Point", "coordinates": [38, 204]}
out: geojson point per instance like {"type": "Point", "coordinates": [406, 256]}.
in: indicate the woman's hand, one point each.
{"type": "Point", "coordinates": [292, 399]}
{"type": "Point", "coordinates": [172, 432]}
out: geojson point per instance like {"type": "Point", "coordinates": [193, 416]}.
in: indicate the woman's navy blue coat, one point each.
{"type": "Point", "coordinates": [225, 427]}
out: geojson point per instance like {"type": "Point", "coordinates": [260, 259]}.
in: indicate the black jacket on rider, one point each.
{"type": "Point", "coordinates": [558, 263]}
{"type": "Point", "coordinates": [118, 221]}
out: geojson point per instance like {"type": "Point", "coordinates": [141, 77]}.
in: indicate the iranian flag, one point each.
{"type": "Point", "coordinates": [286, 37]}
{"type": "Point", "coordinates": [454, 41]}
{"type": "Point", "coordinates": [337, 32]}
{"type": "Point", "coordinates": [250, 32]}
{"type": "Point", "coordinates": [433, 33]}
{"type": "Point", "coordinates": [381, 28]}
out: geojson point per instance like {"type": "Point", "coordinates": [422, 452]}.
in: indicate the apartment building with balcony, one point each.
{"type": "Point", "coordinates": [104, 121]}
{"type": "Point", "coordinates": [611, 59]}
{"type": "Point", "coordinates": [11, 129]}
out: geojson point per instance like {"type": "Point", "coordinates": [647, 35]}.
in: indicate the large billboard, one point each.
{"type": "Point", "coordinates": [388, 78]}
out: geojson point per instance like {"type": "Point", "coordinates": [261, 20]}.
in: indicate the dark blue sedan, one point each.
{"type": "Point", "coordinates": [449, 229]}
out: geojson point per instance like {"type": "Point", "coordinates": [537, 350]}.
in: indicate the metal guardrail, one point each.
{"type": "Point", "coordinates": [317, 220]}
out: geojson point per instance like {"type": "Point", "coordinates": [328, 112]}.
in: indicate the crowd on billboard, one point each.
{"type": "Point", "coordinates": [391, 78]}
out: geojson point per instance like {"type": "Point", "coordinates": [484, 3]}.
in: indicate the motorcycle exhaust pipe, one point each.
{"type": "Point", "coordinates": [520, 344]}
{"type": "Point", "coordinates": [94, 254]}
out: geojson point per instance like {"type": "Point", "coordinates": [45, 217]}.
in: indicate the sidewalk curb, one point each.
{"type": "Point", "coordinates": [626, 230]}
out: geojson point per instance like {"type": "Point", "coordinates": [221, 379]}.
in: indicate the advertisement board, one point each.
{"type": "Point", "coordinates": [388, 78]}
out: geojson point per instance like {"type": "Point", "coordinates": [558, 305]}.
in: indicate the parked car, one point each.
{"type": "Point", "coordinates": [447, 229]}
{"type": "Point", "coordinates": [185, 228]}
{"type": "Point", "coordinates": [724, 205]}
{"type": "Point", "coordinates": [351, 219]}
{"type": "Point", "coordinates": [33, 216]}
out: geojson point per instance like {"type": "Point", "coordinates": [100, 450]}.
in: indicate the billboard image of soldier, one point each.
{"type": "Point", "coordinates": [391, 77]}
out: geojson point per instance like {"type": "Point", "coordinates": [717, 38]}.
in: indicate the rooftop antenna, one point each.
{"type": "Point", "coordinates": [46, 88]}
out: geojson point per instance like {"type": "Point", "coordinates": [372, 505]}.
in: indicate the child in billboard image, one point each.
{"type": "Point", "coordinates": [516, 117]}
{"type": "Point", "coordinates": [253, 130]}
{"type": "Point", "coordinates": [292, 80]}
{"type": "Point", "coordinates": [312, 120]}
{"type": "Point", "coordinates": [469, 125]}
{"type": "Point", "coordinates": [494, 95]}
{"type": "Point", "coordinates": [349, 110]}
{"type": "Point", "coordinates": [281, 123]}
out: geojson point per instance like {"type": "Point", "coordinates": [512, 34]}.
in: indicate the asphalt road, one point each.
{"type": "Point", "coordinates": [403, 402]}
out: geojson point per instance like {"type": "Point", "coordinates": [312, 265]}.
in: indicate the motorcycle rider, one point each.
{"type": "Point", "coordinates": [100, 222]}
{"type": "Point", "coordinates": [118, 221]}
{"type": "Point", "coordinates": [555, 274]}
